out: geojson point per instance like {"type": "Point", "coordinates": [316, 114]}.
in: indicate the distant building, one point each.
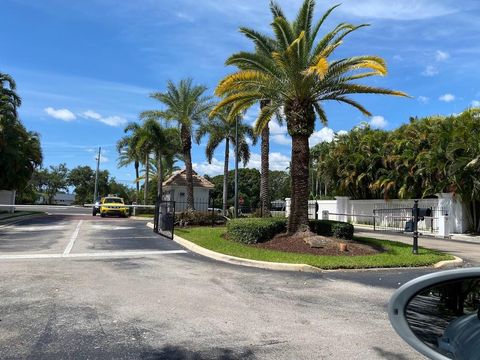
{"type": "Point", "coordinates": [58, 199]}
{"type": "Point", "coordinates": [175, 189]}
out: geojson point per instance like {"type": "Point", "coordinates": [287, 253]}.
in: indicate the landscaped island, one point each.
{"type": "Point", "coordinates": [375, 253]}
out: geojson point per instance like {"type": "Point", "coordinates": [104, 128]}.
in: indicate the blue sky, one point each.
{"type": "Point", "coordinates": [84, 69]}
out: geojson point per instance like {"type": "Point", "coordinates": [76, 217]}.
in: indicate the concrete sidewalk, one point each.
{"type": "Point", "coordinates": [464, 246]}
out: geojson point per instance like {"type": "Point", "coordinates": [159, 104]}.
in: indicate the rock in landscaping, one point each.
{"type": "Point", "coordinates": [316, 241]}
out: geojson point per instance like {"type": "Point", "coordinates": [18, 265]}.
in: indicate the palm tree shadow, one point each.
{"type": "Point", "coordinates": [170, 352]}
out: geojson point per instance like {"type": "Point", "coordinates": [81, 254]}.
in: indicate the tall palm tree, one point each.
{"type": "Point", "coordinates": [187, 105]}
{"type": "Point", "coordinates": [222, 129]}
{"type": "Point", "coordinates": [164, 143]}
{"type": "Point", "coordinates": [9, 99]}
{"type": "Point", "coordinates": [298, 76]}
{"type": "Point", "coordinates": [20, 150]}
{"type": "Point", "coordinates": [129, 152]}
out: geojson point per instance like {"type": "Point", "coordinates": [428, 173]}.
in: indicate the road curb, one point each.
{"type": "Point", "coordinates": [241, 261]}
{"type": "Point", "coordinates": [445, 264]}
{"type": "Point", "coordinates": [449, 264]}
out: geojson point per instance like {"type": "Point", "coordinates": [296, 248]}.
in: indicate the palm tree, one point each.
{"type": "Point", "coordinates": [187, 105]}
{"type": "Point", "coordinates": [128, 151]}
{"type": "Point", "coordinates": [20, 150]}
{"type": "Point", "coordinates": [164, 143]}
{"type": "Point", "coordinates": [219, 129]}
{"type": "Point", "coordinates": [9, 100]}
{"type": "Point", "coordinates": [298, 77]}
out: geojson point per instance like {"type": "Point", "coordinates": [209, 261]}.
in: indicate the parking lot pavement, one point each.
{"type": "Point", "coordinates": [41, 235]}
{"type": "Point", "coordinates": [59, 236]}
{"type": "Point", "coordinates": [183, 306]}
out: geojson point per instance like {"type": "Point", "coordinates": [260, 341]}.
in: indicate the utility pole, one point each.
{"type": "Point", "coordinates": [236, 166]}
{"type": "Point", "coordinates": [96, 176]}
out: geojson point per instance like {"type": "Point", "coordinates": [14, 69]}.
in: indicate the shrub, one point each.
{"type": "Point", "coordinates": [199, 218]}
{"type": "Point", "coordinates": [336, 229]}
{"type": "Point", "coordinates": [258, 230]}
{"type": "Point", "coordinates": [255, 230]}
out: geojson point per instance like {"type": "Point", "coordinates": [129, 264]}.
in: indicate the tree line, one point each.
{"type": "Point", "coordinates": [47, 182]}
{"type": "Point", "coordinates": [419, 159]}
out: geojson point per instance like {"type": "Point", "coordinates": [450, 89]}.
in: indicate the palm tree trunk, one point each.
{"type": "Point", "coordinates": [187, 158]}
{"type": "Point", "coordinates": [137, 165]}
{"type": "Point", "coordinates": [298, 219]}
{"type": "Point", "coordinates": [264, 176]}
{"type": "Point", "coordinates": [225, 176]}
{"type": "Point", "coordinates": [159, 176]}
{"type": "Point", "coordinates": [147, 170]}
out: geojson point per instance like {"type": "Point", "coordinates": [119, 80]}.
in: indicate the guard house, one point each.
{"type": "Point", "coordinates": [175, 189]}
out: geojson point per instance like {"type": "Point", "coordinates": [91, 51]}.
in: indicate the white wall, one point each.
{"type": "Point", "coordinates": [7, 197]}
{"type": "Point", "coordinates": [200, 197]}
{"type": "Point", "coordinates": [361, 211]}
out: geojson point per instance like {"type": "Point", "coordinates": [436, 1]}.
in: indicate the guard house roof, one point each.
{"type": "Point", "coordinates": [179, 178]}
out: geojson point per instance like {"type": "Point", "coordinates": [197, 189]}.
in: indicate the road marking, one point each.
{"type": "Point", "coordinates": [72, 239]}
{"type": "Point", "coordinates": [45, 227]}
{"type": "Point", "coordinates": [109, 254]}
{"type": "Point", "coordinates": [126, 253]}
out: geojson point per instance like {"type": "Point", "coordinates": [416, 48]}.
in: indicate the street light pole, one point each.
{"type": "Point", "coordinates": [96, 176]}
{"type": "Point", "coordinates": [236, 166]}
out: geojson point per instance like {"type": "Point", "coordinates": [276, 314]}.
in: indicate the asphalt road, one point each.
{"type": "Point", "coordinates": [91, 288]}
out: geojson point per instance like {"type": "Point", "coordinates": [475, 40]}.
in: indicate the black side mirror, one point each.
{"type": "Point", "coordinates": [439, 314]}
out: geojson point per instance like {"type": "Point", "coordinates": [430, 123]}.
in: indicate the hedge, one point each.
{"type": "Point", "coordinates": [255, 230]}
{"type": "Point", "coordinates": [258, 230]}
{"type": "Point", "coordinates": [199, 218]}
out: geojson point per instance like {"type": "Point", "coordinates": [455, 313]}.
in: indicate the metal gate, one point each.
{"type": "Point", "coordinates": [397, 220]}
{"type": "Point", "coordinates": [164, 218]}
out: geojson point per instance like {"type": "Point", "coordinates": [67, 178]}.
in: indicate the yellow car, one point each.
{"type": "Point", "coordinates": [112, 205]}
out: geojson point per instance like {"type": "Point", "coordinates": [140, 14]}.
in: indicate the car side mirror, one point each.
{"type": "Point", "coordinates": [439, 314]}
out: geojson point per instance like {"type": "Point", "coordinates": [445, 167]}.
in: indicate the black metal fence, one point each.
{"type": "Point", "coordinates": [400, 220]}
{"type": "Point", "coordinates": [164, 218]}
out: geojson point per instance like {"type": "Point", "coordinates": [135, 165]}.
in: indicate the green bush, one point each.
{"type": "Point", "coordinates": [336, 229]}
{"type": "Point", "coordinates": [258, 230]}
{"type": "Point", "coordinates": [255, 230]}
{"type": "Point", "coordinates": [199, 218]}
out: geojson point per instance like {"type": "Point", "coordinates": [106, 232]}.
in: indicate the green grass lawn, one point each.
{"type": "Point", "coordinates": [396, 254]}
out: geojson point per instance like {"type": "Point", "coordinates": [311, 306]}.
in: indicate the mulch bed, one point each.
{"type": "Point", "coordinates": [283, 242]}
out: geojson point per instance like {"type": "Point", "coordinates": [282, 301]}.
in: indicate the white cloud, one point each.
{"type": "Point", "coordinates": [476, 103]}
{"type": "Point", "coordinates": [423, 99]}
{"type": "Point", "coordinates": [281, 139]}
{"type": "Point", "coordinates": [378, 122]}
{"type": "Point", "coordinates": [447, 98]}
{"type": "Point", "coordinates": [61, 114]}
{"type": "Point", "coordinates": [110, 120]}
{"type": "Point", "coordinates": [396, 10]}
{"type": "Point", "coordinates": [325, 134]}
{"type": "Point", "coordinates": [92, 115]}
{"type": "Point", "coordinates": [430, 70]}
{"type": "Point", "coordinates": [342, 132]}
{"type": "Point", "coordinates": [276, 128]}
{"type": "Point", "coordinates": [278, 161]}
{"type": "Point", "coordinates": [213, 169]}
{"type": "Point", "coordinates": [441, 55]}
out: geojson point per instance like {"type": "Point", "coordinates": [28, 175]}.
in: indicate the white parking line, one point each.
{"type": "Point", "coordinates": [72, 239]}
{"type": "Point", "coordinates": [106, 254]}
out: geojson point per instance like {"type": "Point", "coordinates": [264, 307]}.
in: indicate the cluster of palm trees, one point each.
{"type": "Point", "coordinates": [20, 151]}
{"type": "Point", "coordinates": [157, 146]}
{"type": "Point", "coordinates": [290, 75]}
{"type": "Point", "coordinates": [420, 159]}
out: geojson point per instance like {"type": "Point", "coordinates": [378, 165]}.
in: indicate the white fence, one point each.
{"type": "Point", "coordinates": [361, 211]}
